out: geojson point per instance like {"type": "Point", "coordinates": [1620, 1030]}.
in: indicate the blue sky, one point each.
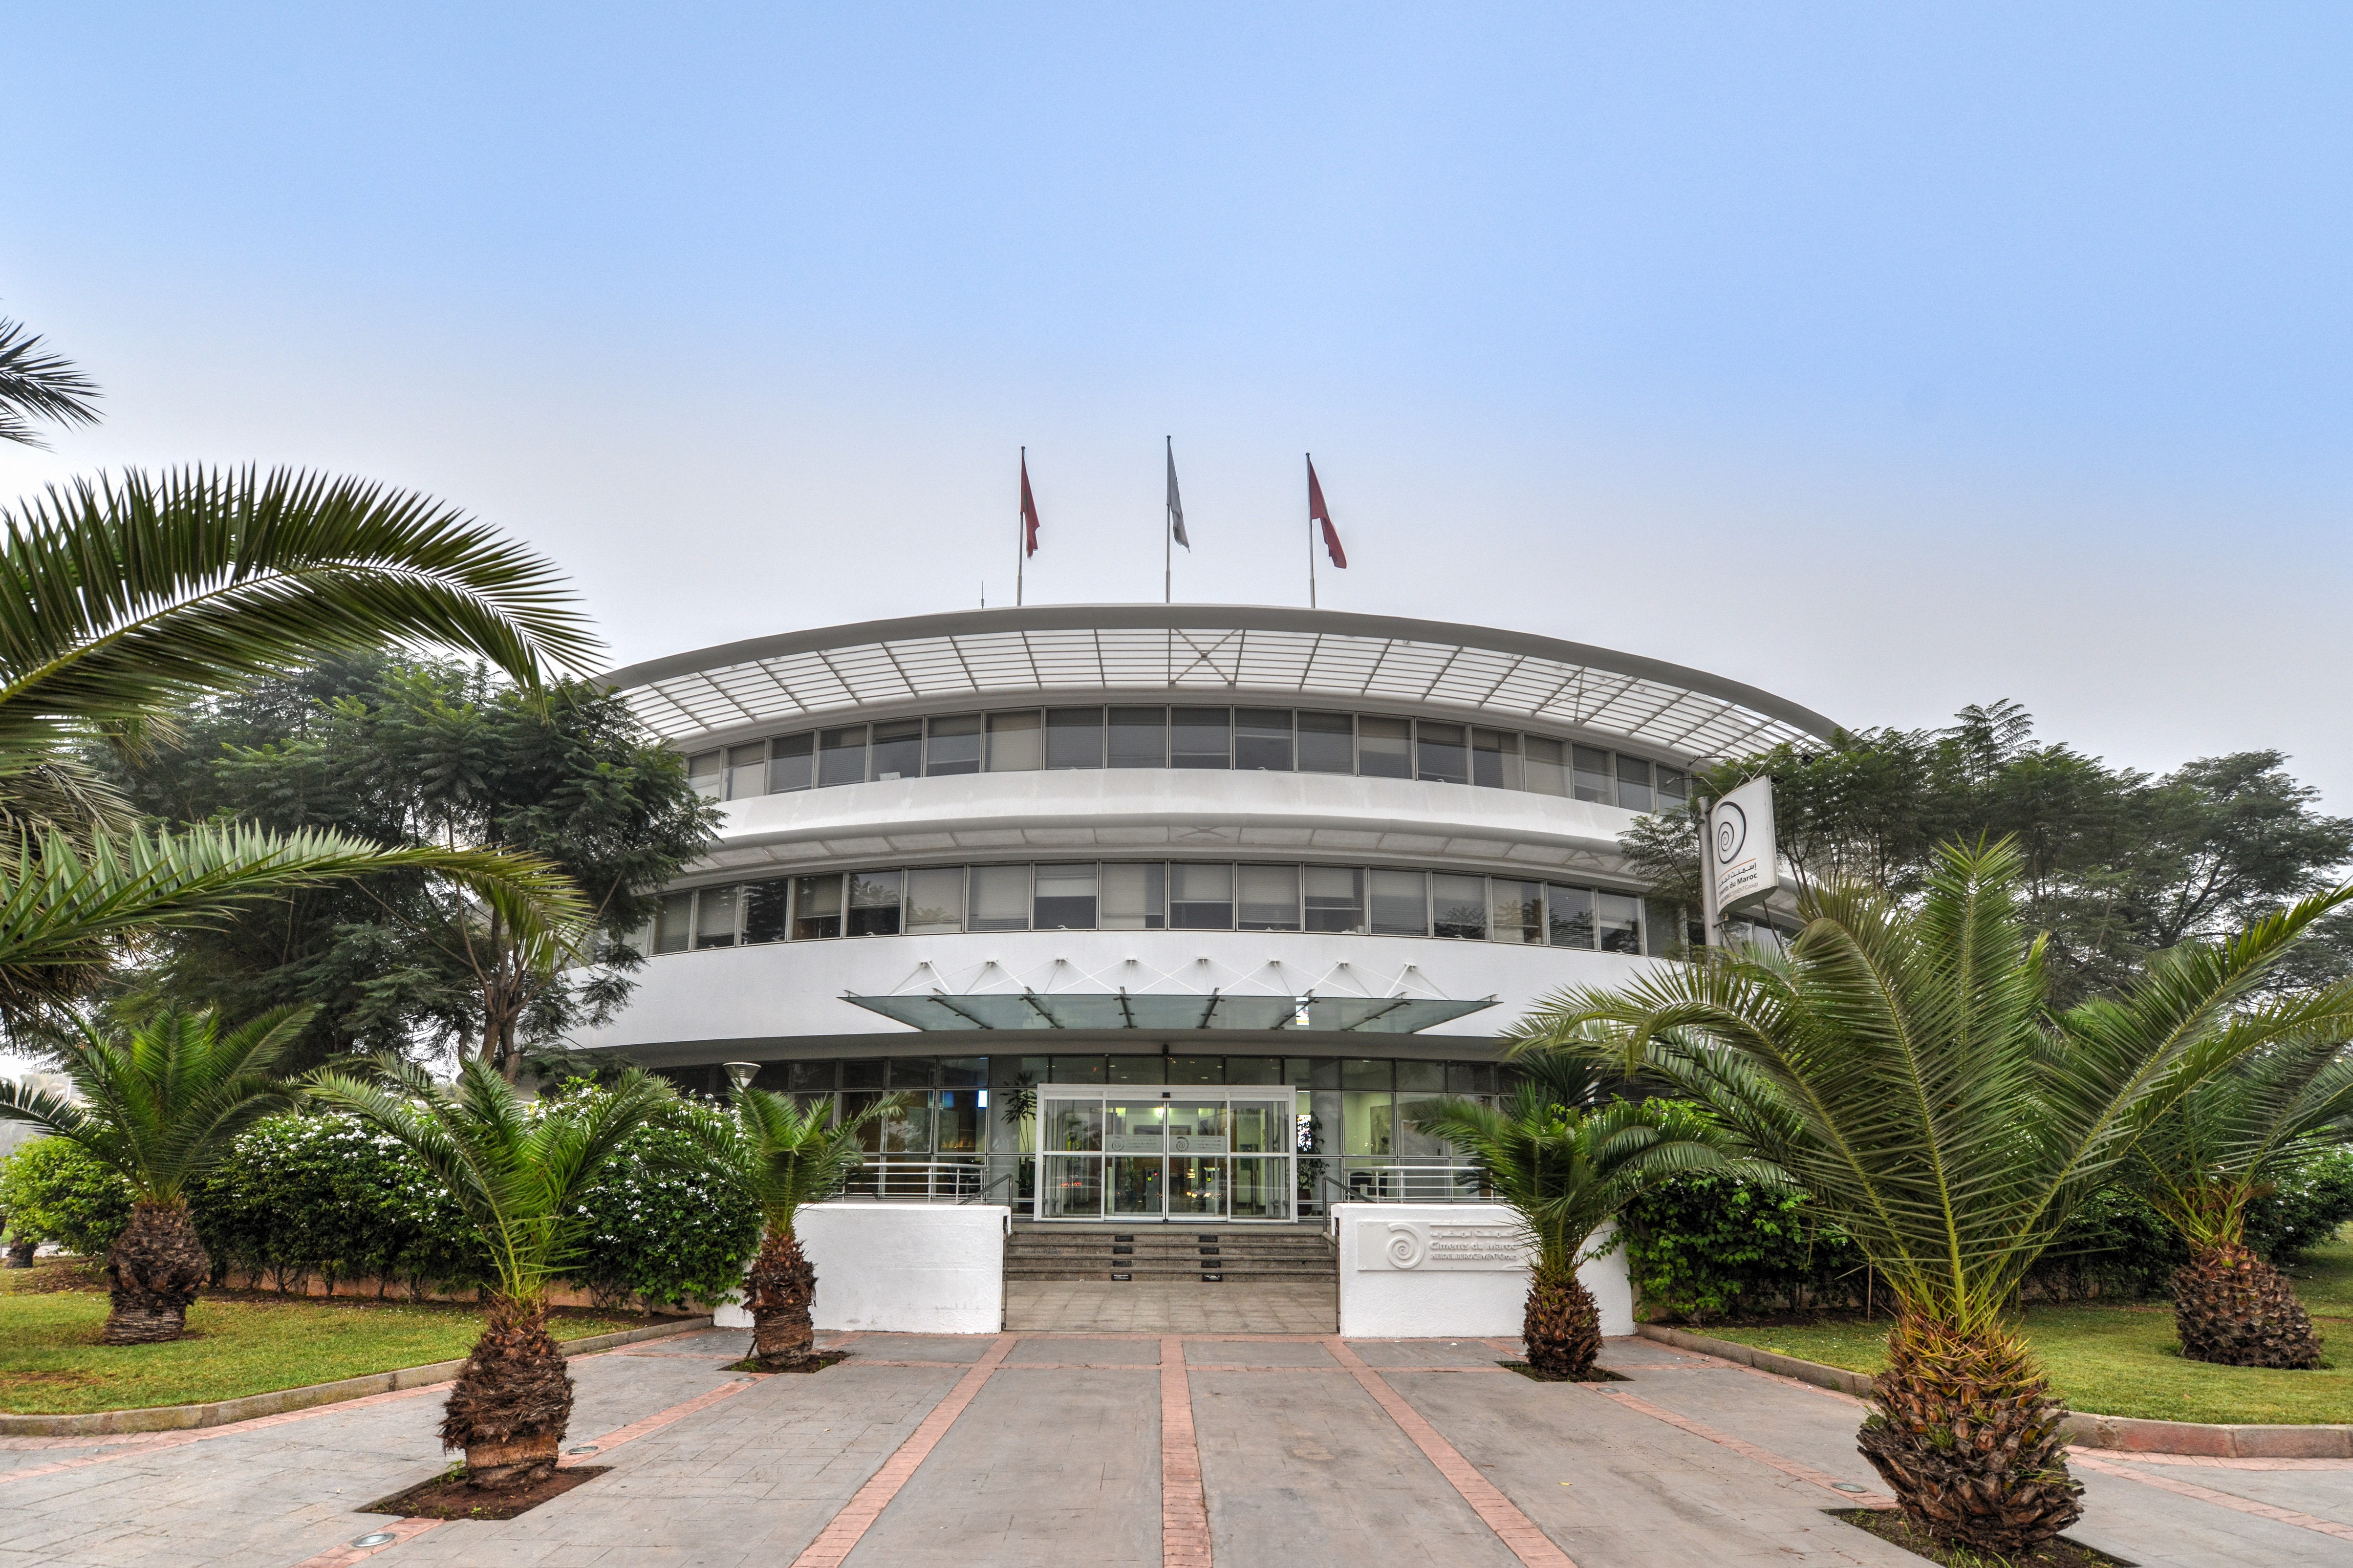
{"type": "Point", "coordinates": [1891, 358]}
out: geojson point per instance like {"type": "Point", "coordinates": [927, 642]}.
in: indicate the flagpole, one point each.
{"type": "Point", "coordinates": [1311, 537]}
{"type": "Point", "coordinates": [1168, 536]}
{"type": "Point", "coordinates": [1021, 533]}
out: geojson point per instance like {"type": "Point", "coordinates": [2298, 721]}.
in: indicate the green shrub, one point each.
{"type": "Point", "coordinates": [663, 1225]}
{"type": "Point", "coordinates": [2305, 1209]}
{"type": "Point", "coordinates": [51, 1191]}
{"type": "Point", "coordinates": [1713, 1246]}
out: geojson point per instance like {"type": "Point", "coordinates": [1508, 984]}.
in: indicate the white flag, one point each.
{"type": "Point", "coordinates": [1176, 502]}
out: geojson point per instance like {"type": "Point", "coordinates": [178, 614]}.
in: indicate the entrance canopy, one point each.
{"type": "Point", "coordinates": [1166, 1011]}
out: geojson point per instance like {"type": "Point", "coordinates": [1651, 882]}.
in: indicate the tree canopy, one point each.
{"type": "Point", "coordinates": [417, 752]}
{"type": "Point", "coordinates": [2115, 864]}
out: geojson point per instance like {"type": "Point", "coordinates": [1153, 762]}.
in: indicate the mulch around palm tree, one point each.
{"type": "Point", "coordinates": [1590, 1375]}
{"type": "Point", "coordinates": [451, 1496]}
{"type": "Point", "coordinates": [816, 1362]}
{"type": "Point", "coordinates": [1890, 1526]}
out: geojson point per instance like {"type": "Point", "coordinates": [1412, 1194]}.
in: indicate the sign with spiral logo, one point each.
{"type": "Point", "coordinates": [1744, 856]}
{"type": "Point", "coordinates": [1429, 1246]}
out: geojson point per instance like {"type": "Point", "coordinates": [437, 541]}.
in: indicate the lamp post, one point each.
{"type": "Point", "coordinates": [741, 1074]}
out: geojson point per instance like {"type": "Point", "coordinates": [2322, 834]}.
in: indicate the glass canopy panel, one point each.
{"type": "Point", "coordinates": [1165, 1013]}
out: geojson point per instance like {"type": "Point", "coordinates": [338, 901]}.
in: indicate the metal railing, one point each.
{"type": "Point", "coordinates": [887, 1180]}
{"type": "Point", "coordinates": [1420, 1182]}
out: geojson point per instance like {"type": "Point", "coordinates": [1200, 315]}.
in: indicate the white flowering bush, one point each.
{"type": "Point", "coordinates": [323, 1194]}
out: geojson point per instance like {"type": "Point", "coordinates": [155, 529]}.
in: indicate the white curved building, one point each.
{"type": "Point", "coordinates": [1207, 893]}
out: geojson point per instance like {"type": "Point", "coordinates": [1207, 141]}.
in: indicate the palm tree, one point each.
{"type": "Point", "coordinates": [1899, 1064]}
{"type": "Point", "coordinates": [788, 1154]}
{"type": "Point", "coordinates": [158, 1105]}
{"type": "Point", "coordinates": [2228, 1140]}
{"type": "Point", "coordinates": [38, 385]}
{"type": "Point", "coordinates": [1566, 1167]}
{"type": "Point", "coordinates": [122, 597]}
{"type": "Point", "coordinates": [519, 1173]}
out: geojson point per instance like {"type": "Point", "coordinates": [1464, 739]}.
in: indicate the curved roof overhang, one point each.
{"type": "Point", "coordinates": [1188, 649]}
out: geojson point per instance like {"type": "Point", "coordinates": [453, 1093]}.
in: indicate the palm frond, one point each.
{"type": "Point", "coordinates": [123, 596]}
{"type": "Point", "coordinates": [65, 909]}
{"type": "Point", "coordinates": [37, 385]}
{"type": "Point", "coordinates": [160, 1102]}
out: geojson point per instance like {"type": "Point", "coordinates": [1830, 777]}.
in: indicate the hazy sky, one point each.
{"type": "Point", "coordinates": [1887, 357]}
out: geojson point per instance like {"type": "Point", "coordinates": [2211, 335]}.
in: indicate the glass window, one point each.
{"type": "Point", "coordinates": [1135, 897]}
{"type": "Point", "coordinates": [811, 1078]}
{"type": "Point", "coordinates": [1421, 1077]}
{"type": "Point", "coordinates": [1591, 773]}
{"type": "Point", "coordinates": [951, 745]}
{"type": "Point", "coordinates": [817, 908]}
{"type": "Point", "coordinates": [874, 899]}
{"type": "Point", "coordinates": [1078, 1069]}
{"type": "Point", "coordinates": [1013, 742]}
{"type": "Point", "coordinates": [913, 1072]}
{"type": "Point", "coordinates": [1457, 906]}
{"type": "Point", "coordinates": [1568, 915]}
{"type": "Point", "coordinates": [1517, 910]}
{"type": "Point", "coordinates": [1547, 769]}
{"type": "Point", "coordinates": [1066, 898]}
{"type": "Point", "coordinates": [867, 1073]}
{"type": "Point", "coordinates": [1269, 897]}
{"type": "Point", "coordinates": [841, 756]}
{"type": "Point", "coordinates": [1494, 759]}
{"type": "Point", "coordinates": [1440, 753]}
{"type": "Point", "coordinates": [1619, 918]}
{"type": "Point", "coordinates": [747, 770]}
{"type": "Point", "coordinates": [1633, 783]}
{"type": "Point", "coordinates": [1255, 1069]}
{"type": "Point", "coordinates": [714, 918]}
{"type": "Point", "coordinates": [936, 900]}
{"type": "Point", "coordinates": [957, 1127]}
{"type": "Point", "coordinates": [1197, 1069]}
{"type": "Point", "coordinates": [1139, 737]}
{"type": "Point", "coordinates": [1199, 738]}
{"type": "Point", "coordinates": [1200, 898]}
{"type": "Point", "coordinates": [707, 772]}
{"type": "Point", "coordinates": [1262, 740]}
{"type": "Point", "coordinates": [1470, 1077]}
{"type": "Point", "coordinates": [765, 905]}
{"type": "Point", "coordinates": [1336, 898]}
{"type": "Point", "coordinates": [1137, 1070]}
{"type": "Point", "coordinates": [1074, 737]}
{"type": "Point", "coordinates": [898, 749]}
{"type": "Point", "coordinates": [1327, 743]}
{"type": "Point", "coordinates": [964, 1072]}
{"type": "Point", "coordinates": [791, 762]}
{"type": "Point", "coordinates": [672, 928]}
{"type": "Point", "coordinates": [999, 899]}
{"type": "Point", "coordinates": [1674, 788]}
{"type": "Point", "coordinates": [1383, 747]}
{"type": "Point", "coordinates": [1400, 903]}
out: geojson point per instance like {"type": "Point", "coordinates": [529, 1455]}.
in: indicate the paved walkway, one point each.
{"type": "Point", "coordinates": [1172, 1307]}
{"type": "Point", "coordinates": [1125, 1450]}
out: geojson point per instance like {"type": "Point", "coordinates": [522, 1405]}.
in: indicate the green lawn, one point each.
{"type": "Point", "coordinates": [51, 1361]}
{"type": "Point", "coordinates": [2117, 1360]}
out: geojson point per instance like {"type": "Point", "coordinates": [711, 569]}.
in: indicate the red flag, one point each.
{"type": "Point", "coordinates": [1028, 512]}
{"type": "Point", "coordinates": [1318, 512]}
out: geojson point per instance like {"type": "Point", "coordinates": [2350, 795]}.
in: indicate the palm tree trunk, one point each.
{"type": "Point", "coordinates": [1969, 1438]}
{"type": "Point", "coordinates": [2233, 1309]}
{"type": "Point", "coordinates": [152, 1273]}
{"type": "Point", "coordinates": [780, 1287]}
{"type": "Point", "coordinates": [513, 1399]}
{"type": "Point", "coordinates": [1562, 1327]}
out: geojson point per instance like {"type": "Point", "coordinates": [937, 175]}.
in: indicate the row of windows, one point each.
{"type": "Point", "coordinates": [1150, 895]}
{"type": "Point", "coordinates": [1268, 740]}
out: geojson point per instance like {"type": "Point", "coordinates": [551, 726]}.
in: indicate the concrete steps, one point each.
{"type": "Point", "coordinates": [1210, 1254]}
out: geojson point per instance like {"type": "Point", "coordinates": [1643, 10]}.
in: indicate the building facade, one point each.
{"type": "Point", "coordinates": [1146, 912]}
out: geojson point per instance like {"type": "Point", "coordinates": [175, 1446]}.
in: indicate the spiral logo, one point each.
{"type": "Point", "coordinates": [1407, 1248]}
{"type": "Point", "coordinates": [1731, 832]}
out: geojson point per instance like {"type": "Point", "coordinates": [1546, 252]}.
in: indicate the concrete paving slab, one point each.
{"type": "Point", "coordinates": [1046, 1350]}
{"type": "Point", "coordinates": [962, 1349]}
{"type": "Point", "coordinates": [1309, 1472]}
{"type": "Point", "coordinates": [1258, 1352]}
{"type": "Point", "coordinates": [1045, 1465]}
{"type": "Point", "coordinates": [1160, 1307]}
{"type": "Point", "coordinates": [1427, 1352]}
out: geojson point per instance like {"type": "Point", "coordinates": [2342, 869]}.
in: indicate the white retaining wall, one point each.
{"type": "Point", "coordinates": [1439, 1271]}
{"type": "Point", "coordinates": [920, 1269]}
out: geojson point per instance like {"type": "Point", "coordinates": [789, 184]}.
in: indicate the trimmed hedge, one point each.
{"type": "Point", "coordinates": [325, 1195]}
{"type": "Point", "coordinates": [1702, 1246]}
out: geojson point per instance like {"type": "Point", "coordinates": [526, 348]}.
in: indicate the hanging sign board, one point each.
{"type": "Point", "coordinates": [1743, 856]}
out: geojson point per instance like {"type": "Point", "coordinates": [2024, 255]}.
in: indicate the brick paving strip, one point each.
{"type": "Point", "coordinates": [1747, 1450]}
{"type": "Point", "coordinates": [1184, 1510]}
{"type": "Point", "coordinates": [844, 1531]}
{"type": "Point", "coordinates": [2109, 1464]}
{"type": "Point", "coordinates": [1516, 1529]}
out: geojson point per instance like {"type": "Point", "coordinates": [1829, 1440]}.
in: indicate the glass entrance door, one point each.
{"type": "Point", "coordinates": [1145, 1155]}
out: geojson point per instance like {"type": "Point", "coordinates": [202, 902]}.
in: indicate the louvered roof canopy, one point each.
{"type": "Point", "coordinates": [1199, 651]}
